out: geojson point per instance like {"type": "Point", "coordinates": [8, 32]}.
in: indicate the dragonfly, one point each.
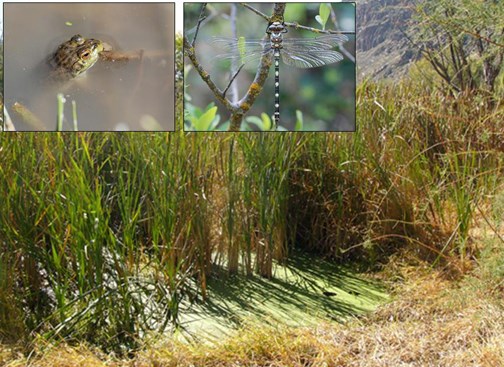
{"type": "Point", "coordinates": [297, 52]}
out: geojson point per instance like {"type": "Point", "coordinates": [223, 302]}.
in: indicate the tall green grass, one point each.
{"type": "Point", "coordinates": [102, 235]}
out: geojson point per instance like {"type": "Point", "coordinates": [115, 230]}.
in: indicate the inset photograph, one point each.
{"type": "Point", "coordinates": [89, 66]}
{"type": "Point", "coordinates": [269, 67]}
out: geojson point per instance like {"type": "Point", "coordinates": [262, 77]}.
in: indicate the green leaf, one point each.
{"type": "Point", "coordinates": [267, 124]}
{"type": "Point", "coordinates": [256, 121]}
{"type": "Point", "coordinates": [203, 123]}
{"type": "Point", "coordinates": [241, 48]}
{"type": "Point", "coordinates": [299, 121]}
{"type": "Point", "coordinates": [324, 12]}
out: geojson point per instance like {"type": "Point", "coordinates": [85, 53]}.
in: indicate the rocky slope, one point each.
{"type": "Point", "coordinates": [382, 49]}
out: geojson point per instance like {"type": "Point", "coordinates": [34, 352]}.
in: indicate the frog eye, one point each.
{"type": "Point", "coordinates": [85, 55]}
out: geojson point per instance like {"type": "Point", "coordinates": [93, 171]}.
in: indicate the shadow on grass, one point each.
{"type": "Point", "coordinates": [305, 292]}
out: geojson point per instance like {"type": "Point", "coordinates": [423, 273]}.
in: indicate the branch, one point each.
{"type": "Point", "coordinates": [315, 30]}
{"type": "Point", "coordinates": [260, 78]}
{"type": "Point", "coordinates": [438, 66]}
{"type": "Point", "coordinates": [200, 19]}
{"type": "Point", "coordinates": [255, 11]}
{"type": "Point", "coordinates": [189, 51]}
{"type": "Point", "coordinates": [334, 19]}
{"type": "Point", "coordinates": [207, 19]}
{"type": "Point", "coordinates": [254, 90]}
{"type": "Point", "coordinates": [278, 12]}
{"type": "Point", "coordinates": [232, 79]}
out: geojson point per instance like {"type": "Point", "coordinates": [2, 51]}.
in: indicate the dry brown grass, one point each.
{"type": "Point", "coordinates": [433, 322]}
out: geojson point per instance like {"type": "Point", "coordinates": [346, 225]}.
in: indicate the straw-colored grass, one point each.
{"type": "Point", "coordinates": [433, 321]}
{"type": "Point", "coordinates": [104, 234]}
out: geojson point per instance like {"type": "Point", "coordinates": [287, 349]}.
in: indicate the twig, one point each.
{"type": "Point", "coordinates": [433, 60]}
{"type": "Point", "coordinates": [315, 30]}
{"type": "Point", "coordinates": [334, 19]}
{"type": "Point", "coordinates": [278, 13]}
{"type": "Point", "coordinates": [261, 14]}
{"type": "Point", "coordinates": [232, 79]}
{"type": "Point", "coordinates": [345, 52]}
{"type": "Point", "coordinates": [234, 67]}
{"type": "Point", "coordinates": [189, 51]}
{"type": "Point", "coordinates": [240, 108]}
{"type": "Point", "coordinates": [200, 19]}
{"type": "Point", "coordinates": [208, 18]}
{"type": "Point", "coordinates": [337, 27]}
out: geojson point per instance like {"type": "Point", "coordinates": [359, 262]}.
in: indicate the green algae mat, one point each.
{"type": "Point", "coordinates": [304, 292]}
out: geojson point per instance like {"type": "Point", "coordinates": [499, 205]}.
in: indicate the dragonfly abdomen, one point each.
{"type": "Point", "coordinates": [277, 88]}
{"type": "Point", "coordinates": [275, 30]}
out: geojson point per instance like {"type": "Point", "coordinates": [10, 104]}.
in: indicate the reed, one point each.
{"type": "Point", "coordinates": [104, 234]}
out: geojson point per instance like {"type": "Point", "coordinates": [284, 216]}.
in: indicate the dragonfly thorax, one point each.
{"type": "Point", "coordinates": [276, 28]}
{"type": "Point", "coordinates": [275, 31]}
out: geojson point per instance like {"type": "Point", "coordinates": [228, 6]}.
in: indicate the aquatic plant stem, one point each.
{"type": "Point", "coordinates": [74, 116]}
{"type": "Point", "coordinates": [61, 106]}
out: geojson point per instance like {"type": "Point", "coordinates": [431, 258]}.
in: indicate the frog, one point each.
{"type": "Point", "coordinates": [74, 57]}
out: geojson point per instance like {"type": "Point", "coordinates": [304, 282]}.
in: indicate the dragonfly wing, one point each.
{"type": "Point", "coordinates": [241, 51]}
{"type": "Point", "coordinates": [325, 42]}
{"type": "Point", "coordinates": [311, 58]}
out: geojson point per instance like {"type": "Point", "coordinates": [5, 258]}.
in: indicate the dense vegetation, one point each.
{"type": "Point", "coordinates": [103, 235]}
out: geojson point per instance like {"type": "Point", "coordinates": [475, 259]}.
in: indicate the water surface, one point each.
{"type": "Point", "coordinates": [133, 95]}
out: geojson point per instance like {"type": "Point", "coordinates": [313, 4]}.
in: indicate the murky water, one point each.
{"type": "Point", "coordinates": [137, 94]}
